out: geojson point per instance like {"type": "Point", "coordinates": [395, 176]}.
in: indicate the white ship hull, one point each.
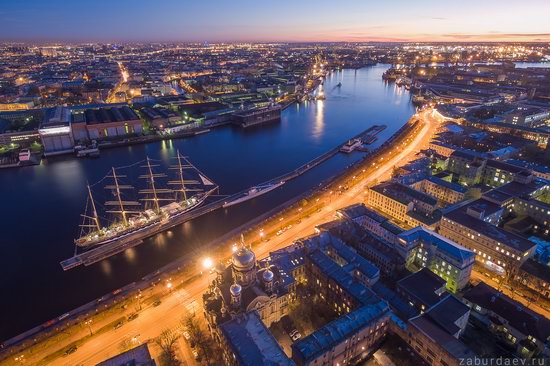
{"type": "Point", "coordinates": [251, 195]}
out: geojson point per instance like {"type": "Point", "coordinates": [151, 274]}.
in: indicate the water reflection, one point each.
{"type": "Point", "coordinates": [160, 240]}
{"type": "Point", "coordinates": [67, 176]}
{"type": "Point", "coordinates": [106, 268]}
{"type": "Point", "coordinates": [130, 255]}
{"type": "Point", "coordinates": [319, 119]}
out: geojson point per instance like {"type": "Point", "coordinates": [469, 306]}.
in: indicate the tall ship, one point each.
{"type": "Point", "coordinates": [130, 214]}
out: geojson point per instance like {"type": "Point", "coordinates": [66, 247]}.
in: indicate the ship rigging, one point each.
{"type": "Point", "coordinates": [161, 201]}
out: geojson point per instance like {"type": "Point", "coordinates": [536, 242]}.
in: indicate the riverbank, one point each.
{"type": "Point", "coordinates": [268, 219]}
{"type": "Point", "coordinates": [234, 158]}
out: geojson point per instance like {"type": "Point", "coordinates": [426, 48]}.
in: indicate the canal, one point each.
{"type": "Point", "coordinates": [41, 205]}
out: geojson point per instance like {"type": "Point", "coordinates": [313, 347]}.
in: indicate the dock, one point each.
{"type": "Point", "coordinates": [99, 253]}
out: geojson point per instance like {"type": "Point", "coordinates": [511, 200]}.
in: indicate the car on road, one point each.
{"type": "Point", "coordinates": [119, 324]}
{"type": "Point", "coordinates": [70, 350]}
{"type": "Point", "coordinates": [186, 335]}
{"type": "Point", "coordinates": [295, 335]}
{"type": "Point", "coordinates": [132, 316]}
{"type": "Point", "coordinates": [195, 354]}
{"type": "Point", "coordinates": [156, 303]}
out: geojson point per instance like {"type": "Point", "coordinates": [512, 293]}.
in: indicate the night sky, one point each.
{"type": "Point", "coordinates": [269, 20]}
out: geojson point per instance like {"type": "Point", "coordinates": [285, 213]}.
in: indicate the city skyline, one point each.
{"type": "Point", "coordinates": [248, 21]}
{"type": "Point", "coordinates": [275, 183]}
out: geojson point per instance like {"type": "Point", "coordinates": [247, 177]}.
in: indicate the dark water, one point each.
{"type": "Point", "coordinates": [40, 206]}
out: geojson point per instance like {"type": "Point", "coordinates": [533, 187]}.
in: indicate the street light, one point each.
{"type": "Point", "coordinates": [138, 298]}
{"type": "Point", "coordinates": [207, 263]}
{"type": "Point", "coordinates": [89, 324]}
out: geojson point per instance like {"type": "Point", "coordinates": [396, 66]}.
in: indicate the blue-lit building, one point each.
{"type": "Point", "coordinates": [447, 259]}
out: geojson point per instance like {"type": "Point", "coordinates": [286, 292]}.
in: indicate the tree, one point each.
{"type": "Point", "coordinates": [166, 341]}
{"type": "Point", "coordinates": [199, 338]}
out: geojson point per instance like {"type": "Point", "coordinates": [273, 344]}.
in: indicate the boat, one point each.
{"type": "Point", "coordinates": [24, 155]}
{"type": "Point", "coordinates": [83, 151]}
{"type": "Point", "coordinates": [158, 208]}
{"type": "Point", "coordinates": [419, 100]}
{"type": "Point", "coordinates": [351, 145]}
{"type": "Point", "coordinates": [254, 192]}
{"type": "Point", "coordinates": [91, 152]}
{"type": "Point", "coordinates": [338, 85]}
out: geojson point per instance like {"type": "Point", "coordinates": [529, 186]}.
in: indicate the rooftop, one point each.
{"type": "Point", "coordinates": [402, 193]}
{"type": "Point", "coordinates": [500, 235]}
{"type": "Point", "coordinates": [339, 330]}
{"type": "Point", "coordinates": [452, 186]}
{"type": "Point", "coordinates": [136, 356]}
{"type": "Point", "coordinates": [423, 285]}
{"type": "Point", "coordinates": [446, 313]}
{"type": "Point", "coordinates": [521, 318]}
{"type": "Point", "coordinates": [252, 343]}
{"type": "Point", "coordinates": [441, 337]}
{"type": "Point", "coordinates": [445, 245]}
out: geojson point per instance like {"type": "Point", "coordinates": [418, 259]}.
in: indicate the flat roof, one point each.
{"type": "Point", "coordinates": [252, 343]}
{"type": "Point", "coordinates": [446, 245]}
{"type": "Point", "coordinates": [440, 337]}
{"type": "Point", "coordinates": [518, 316]}
{"type": "Point", "coordinates": [402, 193]}
{"type": "Point", "coordinates": [339, 330]}
{"type": "Point", "coordinates": [452, 186]}
{"type": "Point", "coordinates": [423, 286]}
{"type": "Point", "coordinates": [484, 228]}
{"type": "Point", "coordinates": [136, 356]}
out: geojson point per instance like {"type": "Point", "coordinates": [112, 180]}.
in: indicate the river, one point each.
{"type": "Point", "coordinates": [41, 205]}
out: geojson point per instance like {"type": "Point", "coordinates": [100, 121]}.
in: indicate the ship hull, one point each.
{"type": "Point", "coordinates": [147, 230]}
{"type": "Point", "coordinates": [251, 196]}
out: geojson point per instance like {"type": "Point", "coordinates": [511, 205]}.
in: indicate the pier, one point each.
{"type": "Point", "coordinates": [99, 253]}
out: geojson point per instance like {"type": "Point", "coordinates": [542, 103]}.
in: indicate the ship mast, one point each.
{"type": "Point", "coordinates": [94, 211]}
{"type": "Point", "coordinates": [180, 171]}
{"type": "Point", "coordinates": [182, 184]}
{"type": "Point", "coordinates": [120, 203]}
{"type": "Point", "coordinates": [119, 196]}
{"type": "Point", "coordinates": [94, 218]}
{"type": "Point", "coordinates": [153, 190]}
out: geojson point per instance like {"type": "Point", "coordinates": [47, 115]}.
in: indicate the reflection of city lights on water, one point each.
{"type": "Point", "coordinates": [106, 267]}
{"type": "Point", "coordinates": [130, 254]}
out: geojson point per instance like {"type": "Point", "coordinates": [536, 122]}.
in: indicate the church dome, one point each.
{"type": "Point", "coordinates": [235, 289]}
{"type": "Point", "coordinates": [267, 275]}
{"type": "Point", "coordinates": [244, 258]}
